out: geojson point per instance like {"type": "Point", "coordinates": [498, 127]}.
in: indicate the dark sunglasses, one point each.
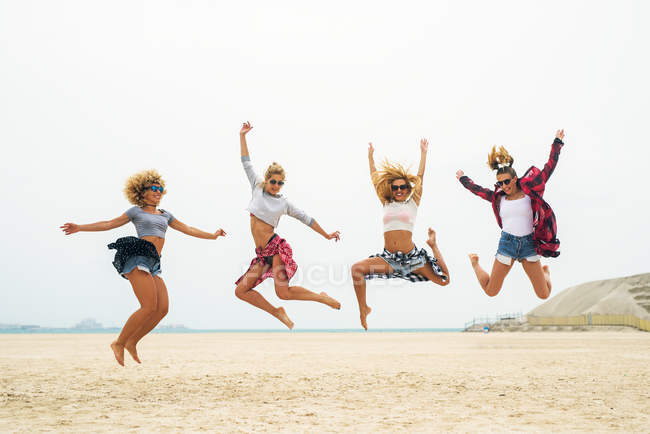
{"type": "Point", "coordinates": [399, 187]}
{"type": "Point", "coordinates": [155, 188]}
{"type": "Point", "coordinates": [280, 183]}
{"type": "Point", "coordinates": [504, 182]}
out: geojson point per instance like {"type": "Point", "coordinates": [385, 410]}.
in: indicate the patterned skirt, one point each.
{"type": "Point", "coordinates": [128, 247]}
{"type": "Point", "coordinates": [275, 246]}
{"type": "Point", "coordinates": [404, 264]}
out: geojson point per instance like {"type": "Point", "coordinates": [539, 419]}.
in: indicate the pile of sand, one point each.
{"type": "Point", "coordinates": [621, 296]}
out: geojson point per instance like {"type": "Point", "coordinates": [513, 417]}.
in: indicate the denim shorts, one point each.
{"type": "Point", "coordinates": [144, 263]}
{"type": "Point", "coordinates": [518, 248]}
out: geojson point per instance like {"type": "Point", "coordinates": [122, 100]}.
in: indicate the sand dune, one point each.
{"type": "Point", "coordinates": [621, 296]}
{"type": "Point", "coordinates": [329, 382]}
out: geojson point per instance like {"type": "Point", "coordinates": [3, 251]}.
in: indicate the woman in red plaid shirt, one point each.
{"type": "Point", "coordinates": [528, 223]}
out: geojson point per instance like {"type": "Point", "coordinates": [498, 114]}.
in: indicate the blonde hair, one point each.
{"type": "Point", "coordinates": [273, 169]}
{"type": "Point", "coordinates": [501, 161]}
{"type": "Point", "coordinates": [139, 182]}
{"type": "Point", "coordinates": [382, 180]}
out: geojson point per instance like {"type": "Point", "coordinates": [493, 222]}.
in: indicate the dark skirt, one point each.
{"type": "Point", "coordinates": [404, 264]}
{"type": "Point", "coordinates": [129, 247]}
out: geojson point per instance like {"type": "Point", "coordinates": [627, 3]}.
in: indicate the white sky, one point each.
{"type": "Point", "coordinates": [91, 92]}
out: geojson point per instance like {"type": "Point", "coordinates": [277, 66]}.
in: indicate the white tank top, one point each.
{"type": "Point", "coordinates": [517, 216]}
{"type": "Point", "coordinates": [400, 215]}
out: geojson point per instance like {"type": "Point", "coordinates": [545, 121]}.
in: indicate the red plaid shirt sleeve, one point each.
{"type": "Point", "coordinates": [481, 192]}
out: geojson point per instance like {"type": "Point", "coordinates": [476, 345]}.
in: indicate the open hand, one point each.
{"type": "Point", "coordinates": [559, 134]}
{"type": "Point", "coordinates": [371, 150]}
{"type": "Point", "coordinates": [245, 128]}
{"type": "Point", "coordinates": [459, 174]}
{"type": "Point", "coordinates": [219, 233]}
{"type": "Point", "coordinates": [424, 145]}
{"type": "Point", "coordinates": [70, 228]}
{"type": "Point", "coordinates": [336, 235]}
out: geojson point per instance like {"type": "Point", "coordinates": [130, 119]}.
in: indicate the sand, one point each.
{"type": "Point", "coordinates": [329, 382]}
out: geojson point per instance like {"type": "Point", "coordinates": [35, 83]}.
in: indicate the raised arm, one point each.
{"type": "Point", "coordinates": [253, 179]}
{"type": "Point", "coordinates": [194, 232]}
{"type": "Point", "coordinates": [371, 159]}
{"type": "Point", "coordinates": [245, 128]}
{"type": "Point", "coordinates": [424, 147]}
{"type": "Point", "coordinates": [549, 167]}
{"type": "Point", "coordinates": [481, 192]}
{"type": "Point", "coordinates": [71, 228]}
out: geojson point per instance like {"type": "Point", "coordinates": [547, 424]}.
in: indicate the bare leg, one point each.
{"type": "Point", "coordinates": [245, 292]}
{"type": "Point", "coordinates": [539, 276]}
{"type": "Point", "coordinates": [286, 292]}
{"type": "Point", "coordinates": [161, 310]}
{"type": "Point", "coordinates": [359, 270]}
{"type": "Point", "coordinates": [427, 270]}
{"type": "Point", "coordinates": [145, 289]}
{"type": "Point", "coordinates": [492, 283]}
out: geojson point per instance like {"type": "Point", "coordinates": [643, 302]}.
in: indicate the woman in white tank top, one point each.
{"type": "Point", "coordinates": [527, 221]}
{"type": "Point", "coordinates": [399, 193]}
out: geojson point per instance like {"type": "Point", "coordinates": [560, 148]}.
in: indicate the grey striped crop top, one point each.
{"type": "Point", "coordinates": [147, 224]}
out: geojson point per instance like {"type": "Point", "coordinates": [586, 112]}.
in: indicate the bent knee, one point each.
{"type": "Point", "coordinates": [283, 294]}
{"type": "Point", "coordinates": [162, 311]}
{"type": "Point", "coordinates": [240, 292]}
{"type": "Point", "coordinates": [149, 309]}
{"type": "Point", "coordinates": [358, 270]}
{"type": "Point", "coordinates": [492, 292]}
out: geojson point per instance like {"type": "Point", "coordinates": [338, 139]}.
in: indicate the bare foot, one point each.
{"type": "Point", "coordinates": [118, 351]}
{"type": "Point", "coordinates": [282, 316]}
{"type": "Point", "coordinates": [363, 314]}
{"type": "Point", "coordinates": [432, 238]}
{"type": "Point", "coordinates": [473, 257]}
{"type": "Point", "coordinates": [547, 275]}
{"type": "Point", "coordinates": [131, 349]}
{"type": "Point", "coordinates": [334, 304]}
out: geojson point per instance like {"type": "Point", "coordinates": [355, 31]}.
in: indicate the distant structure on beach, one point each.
{"type": "Point", "coordinates": [88, 324]}
{"type": "Point", "coordinates": [624, 301]}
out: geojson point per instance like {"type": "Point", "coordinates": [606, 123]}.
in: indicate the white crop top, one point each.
{"type": "Point", "coordinates": [267, 207]}
{"type": "Point", "coordinates": [516, 216]}
{"type": "Point", "coordinates": [400, 216]}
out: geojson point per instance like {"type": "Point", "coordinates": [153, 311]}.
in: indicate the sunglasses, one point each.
{"type": "Point", "coordinates": [280, 183]}
{"type": "Point", "coordinates": [155, 188]}
{"type": "Point", "coordinates": [504, 182]}
{"type": "Point", "coordinates": [400, 187]}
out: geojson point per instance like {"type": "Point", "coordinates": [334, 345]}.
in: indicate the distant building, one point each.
{"type": "Point", "coordinates": [88, 324]}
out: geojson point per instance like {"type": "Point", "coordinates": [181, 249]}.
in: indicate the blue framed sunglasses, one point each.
{"type": "Point", "coordinates": [155, 188]}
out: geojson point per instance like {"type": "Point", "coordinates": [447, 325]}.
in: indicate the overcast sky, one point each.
{"type": "Point", "coordinates": [91, 92]}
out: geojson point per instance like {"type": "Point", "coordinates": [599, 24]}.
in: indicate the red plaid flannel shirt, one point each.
{"type": "Point", "coordinates": [532, 183]}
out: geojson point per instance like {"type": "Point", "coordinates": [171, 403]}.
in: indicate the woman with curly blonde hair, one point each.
{"type": "Point", "coordinates": [273, 255]}
{"type": "Point", "coordinates": [399, 192]}
{"type": "Point", "coordinates": [528, 223]}
{"type": "Point", "coordinates": [138, 259]}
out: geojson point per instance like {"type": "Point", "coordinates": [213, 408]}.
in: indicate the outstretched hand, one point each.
{"type": "Point", "coordinates": [424, 145]}
{"type": "Point", "coordinates": [371, 150]}
{"type": "Point", "coordinates": [70, 228]}
{"type": "Point", "coordinates": [245, 128]}
{"type": "Point", "coordinates": [559, 134]}
{"type": "Point", "coordinates": [336, 236]}
{"type": "Point", "coordinates": [219, 233]}
{"type": "Point", "coordinates": [459, 174]}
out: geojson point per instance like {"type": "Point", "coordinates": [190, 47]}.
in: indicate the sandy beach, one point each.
{"type": "Point", "coordinates": [329, 382]}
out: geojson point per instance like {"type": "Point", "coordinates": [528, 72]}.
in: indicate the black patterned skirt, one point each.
{"type": "Point", "coordinates": [404, 264]}
{"type": "Point", "coordinates": [134, 252]}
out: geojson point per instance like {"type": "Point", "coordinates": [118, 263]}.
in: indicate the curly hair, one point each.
{"type": "Point", "coordinates": [382, 180]}
{"type": "Point", "coordinates": [501, 161]}
{"type": "Point", "coordinates": [139, 182]}
{"type": "Point", "coordinates": [273, 169]}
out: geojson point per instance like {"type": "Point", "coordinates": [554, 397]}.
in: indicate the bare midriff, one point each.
{"type": "Point", "coordinates": [261, 231]}
{"type": "Point", "coordinates": [156, 241]}
{"type": "Point", "coordinates": [398, 241]}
